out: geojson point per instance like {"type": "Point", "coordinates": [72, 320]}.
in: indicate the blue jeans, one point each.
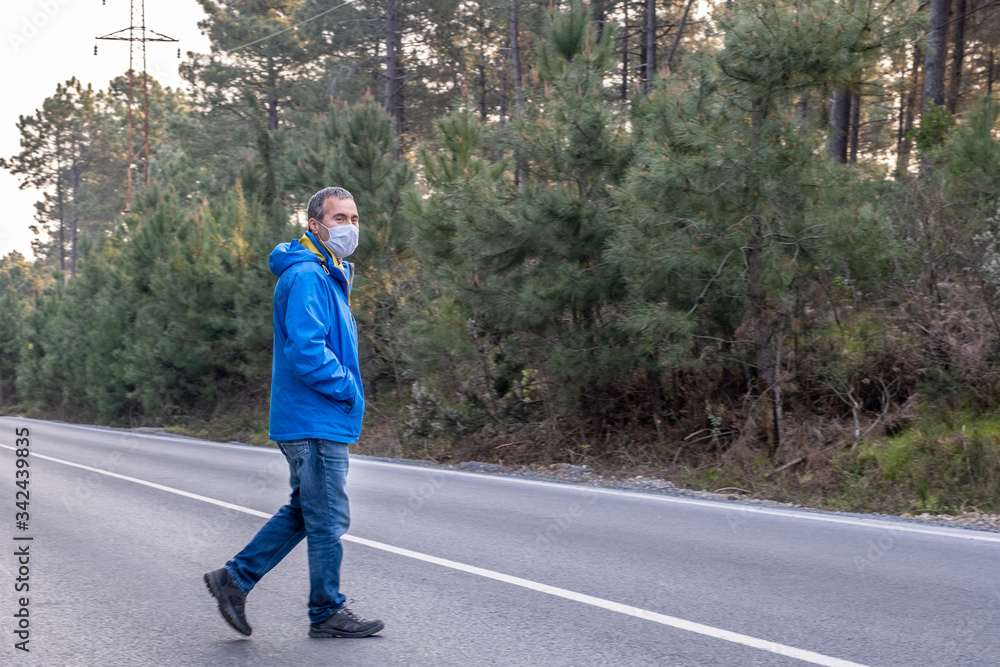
{"type": "Point", "coordinates": [317, 511]}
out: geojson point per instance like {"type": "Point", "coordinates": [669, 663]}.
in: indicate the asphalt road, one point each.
{"type": "Point", "coordinates": [469, 569]}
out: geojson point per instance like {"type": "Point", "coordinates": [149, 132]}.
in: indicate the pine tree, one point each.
{"type": "Point", "coordinates": [519, 262]}
{"type": "Point", "coordinates": [947, 219]}
{"type": "Point", "coordinates": [41, 373]}
{"type": "Point", "coordinates": [20, 283]}
{"type": "Point", "coordinates": [732, 203]}
{"type": "Point", "coordinates": [10, 324]}
{"type": "Point", "coordinates": [67, 148]}
{"type": "Point", "coordinates": [255, 74]}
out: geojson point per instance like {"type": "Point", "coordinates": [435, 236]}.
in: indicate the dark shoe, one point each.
{"type": "Point", "coordinates": [231, 599]}
{"type": "Point", "coordinates": [345, 623]}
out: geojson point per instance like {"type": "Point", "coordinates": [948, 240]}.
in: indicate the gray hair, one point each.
{"type": "Point", "coordinates": [317, 200]}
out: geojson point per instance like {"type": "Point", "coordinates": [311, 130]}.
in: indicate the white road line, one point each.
{"type": "Point", "coordinates": [873, 523]}
{"type": "Point", "coordinates": [154, 485]}
{"type": "Point", "coordinates": [169, 437]}
{"type": "Point", "coordinates": [628, 610]}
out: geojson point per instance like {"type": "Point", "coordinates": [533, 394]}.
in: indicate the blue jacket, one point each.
{"type": "Point", "coordinates": [316, 389]}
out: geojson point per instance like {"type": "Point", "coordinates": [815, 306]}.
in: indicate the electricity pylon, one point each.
{"type": "Point", "coordinates": [134, 34]}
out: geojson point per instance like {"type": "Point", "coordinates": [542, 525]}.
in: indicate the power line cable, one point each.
{"type": "Point", "coordinates": [281, 32]}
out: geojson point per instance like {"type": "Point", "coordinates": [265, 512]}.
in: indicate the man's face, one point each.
{"type": "Point", "coordinates": [335, 212]}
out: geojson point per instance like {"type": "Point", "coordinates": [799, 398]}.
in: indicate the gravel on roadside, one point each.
{"type": "Point", "coordinates": [582, 474]}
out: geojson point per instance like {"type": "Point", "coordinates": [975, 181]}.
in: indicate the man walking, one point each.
{"type": "Point", "coordinates": [317, 404]}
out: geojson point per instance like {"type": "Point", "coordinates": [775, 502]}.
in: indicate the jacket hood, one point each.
{"type": "Point", "coordinates": [285, 255]}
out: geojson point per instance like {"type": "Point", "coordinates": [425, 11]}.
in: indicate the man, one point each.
{"type": "Point", "coordinates": [317, 404]}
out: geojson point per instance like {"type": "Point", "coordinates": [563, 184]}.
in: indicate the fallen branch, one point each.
{"type": "Point", "coordinates": [886, 398]}
{"type": "Point", "coordinates": [786, 466]}
{"type": "Point", "coordinates": [676, 455]}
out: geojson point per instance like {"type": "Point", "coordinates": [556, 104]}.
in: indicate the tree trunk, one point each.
{"type": "Point", "coordinates": [400, 101]}
{"type": "Point", "coordinates": [515, 54]}
{"type": "Point", "coordinates": [957, 56]}
{"type": "Point", "coordinates": [130, 147]}
{"type": "Point", "coordinates": [504, 92]}
{"type": "Point", "coordinates": [393, 69]}
{"type": "Point", "coordinates": [624, 87]}
{"type": "Point", "coordinates": [62, 218]}
{"type": "Point", "coordinates": [763, 331]}
{"type": "Point", "coordinates": [935, 56]}
{"type": "Point", "coordinates": [272, 115]}
{"type": "Point", "coordinates": [390, 56]}
{"type": "Point", "coordinates": [600, 14]}
{"type": "Point", "coordinates": [840, 124]}
{"type": "Point", "coordinates": [900, 127]}
{"type": "Point", "coordinates": [482, 92]}
{"type": "Point", "coordinates": [677, 35]}
{"type": "Point", "coordinates": [642, 58]}
{"type": "Point", "coordinates": [760, 310]}
{"type": "Point", "coordinates": [265, 143]}
{"type": "Point", "coordinates": [937, 25]}
{"type": "Point", "coordinates": [75, 171]}
{"type": "Point", "coordinates": [989, 75]}
{"type": "Point", "coordinates": [855, 128]}
{"type": "Point", "coordinates": [145, 123]}
{"type": "Point", "coordinates": [910, 114]}
{"type": "Point", "coordinates": [649, 50]}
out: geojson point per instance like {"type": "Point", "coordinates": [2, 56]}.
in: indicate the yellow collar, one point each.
{"type": "Point", "coordinates": [308, 243]}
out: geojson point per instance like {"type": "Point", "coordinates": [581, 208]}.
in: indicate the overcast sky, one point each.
{"type": "Point", "coordinates": [45, 42]}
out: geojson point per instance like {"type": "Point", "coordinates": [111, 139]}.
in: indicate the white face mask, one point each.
{"type": "Point", "coordinates": [342, 241]}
